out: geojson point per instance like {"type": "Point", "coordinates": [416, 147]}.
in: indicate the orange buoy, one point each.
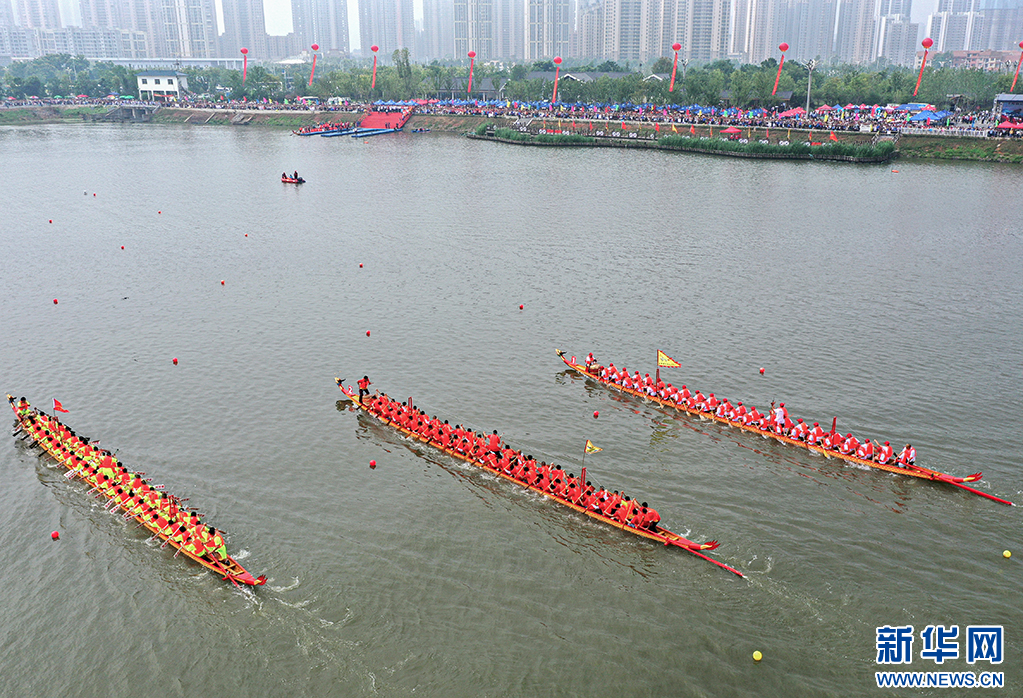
{"type": "Point", "coordinates": [55, 301]}
{"type": "Point", "coordinates": [174, 361]}
{"type": "Point", "coordinates": [596, 414]}
{"type": "Point", "coordinates": [55, 535]}
{"type": "Point", "coordinates": [372, 464]}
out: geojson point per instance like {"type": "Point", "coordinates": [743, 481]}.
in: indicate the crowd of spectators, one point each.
{"type": "Point", "coordinates": [885, 120]}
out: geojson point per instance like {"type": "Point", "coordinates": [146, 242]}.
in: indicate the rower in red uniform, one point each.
{"type": "Point", "coordinates": [364, 386]}
{"type": "Point", "coordinates": [907, 456]}
{"type": "Point", "coordinates": [590, 360]}
{"type": "Point", "coordinates": [651, 519]}
{"type": "Point", "coordinates": [884, 453]}
{"type": "Point", "coordinates": [815, 434]}
{"type": "Point", "coordinates": [866, 451]}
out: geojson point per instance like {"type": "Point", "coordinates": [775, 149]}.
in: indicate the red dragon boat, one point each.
{"type": "Point", "coordinates": [661, 535]}
{"type": "Point", "coordinates": [911, 470]}
{"type": "Point", "coordinates": [60, 443]}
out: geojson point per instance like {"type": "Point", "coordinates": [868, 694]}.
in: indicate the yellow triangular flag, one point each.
{"type": "Point", "coordinates": [590, 448]}
{"type": "Point", "coordinates": [665, 361]}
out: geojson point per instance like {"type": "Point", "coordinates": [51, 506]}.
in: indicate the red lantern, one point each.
{"type": "Point", "coordinates": [674, 47]}
{"type": "Point", "coordinates": [472, 60]}
{"type": "Point", "coordinates": [557, 71]}
{"type": "Point", "coordinates": [315, 48]}
{"type": "Point", "coordinates": [926, 43]}
{"type": "Point", "coordinates": [245, 63]}
{"type": "Point", "coordinates": [783, 47]}
{"type": "Point", "coordinates": [374, 48]}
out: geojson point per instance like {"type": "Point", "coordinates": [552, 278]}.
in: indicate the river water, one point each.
{"type": "Point", "coordinates": [888, 296]}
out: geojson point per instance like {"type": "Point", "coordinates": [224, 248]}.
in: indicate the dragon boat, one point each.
{"type": "Point", "coordinates": [911, 470]}
{"type": "Point", "coordinates": [49, 433]}
{"type": "Point", "coordinates": [292, 180]}
{"type": "Point", "coordinates": [661, 535]}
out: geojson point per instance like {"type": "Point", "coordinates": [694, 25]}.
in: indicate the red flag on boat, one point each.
{"type": "Point", "coordinates": [57, 407]}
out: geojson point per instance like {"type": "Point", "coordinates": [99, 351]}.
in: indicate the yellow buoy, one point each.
{"type": "Point", "coordinates": [757, 656]}
{"type": "Point", "coordinates": [1006, 554]}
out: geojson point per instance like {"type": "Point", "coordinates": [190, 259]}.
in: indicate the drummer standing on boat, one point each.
{"type": "Point", "coordinates": [364, 386]}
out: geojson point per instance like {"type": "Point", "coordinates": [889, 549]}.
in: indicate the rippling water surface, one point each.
{"type": "Point", "coordinates": [892, 300]}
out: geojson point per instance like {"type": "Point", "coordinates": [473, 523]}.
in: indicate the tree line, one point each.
{"type": "Point", "coordinates": [717, 83]}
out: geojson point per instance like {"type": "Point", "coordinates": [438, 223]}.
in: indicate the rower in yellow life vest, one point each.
{"type": "Point", "coordinates": [218, 544]}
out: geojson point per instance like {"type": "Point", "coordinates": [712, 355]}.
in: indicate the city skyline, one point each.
{"type": "Point", "coordinates": [278, 15]}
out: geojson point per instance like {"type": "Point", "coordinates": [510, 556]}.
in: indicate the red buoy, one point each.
{"type": "Point", "coordinates": [520, 306]}
{"type": "Point", "coordinates": [122, 247]}
{"type": "Point", "coordinates": [596, 414]}
{"type": "Point", "coordinates": [221, 282]}
{"type": "Point", "coordinates": [55, 535]}
{"type": "Point", "coordinates": [367, 333]}
{"type": "Point", "coordinates": [174, 361]}
{"type": "Point", "coordinates": [360, 265]}
{"type": "Point", "coordinates": [159, 211]}
{"type": "Point", "coordinates": [246, 234]}
{"type": "Point", "coordinates": [761, 371]}
{"type": "Point", "coordinates": [94, 195]}
{"type": "Point", "coordinates": [55, 301]}
{"type": "Point", "coordinates": [51, 220]}
{"type": "Point", "coordinates": [372, 464]}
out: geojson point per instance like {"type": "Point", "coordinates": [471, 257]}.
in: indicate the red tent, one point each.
{"type": "Point", "coordinates": [798, 111]}
{"type": "Point", "coordinates": [825, 108]}
{"type": "Point", "coordinates": [1009, 125]}
{"type": "Point", "coordinates": [732, 129]}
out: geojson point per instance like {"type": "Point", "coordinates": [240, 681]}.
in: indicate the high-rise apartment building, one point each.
{"type": "Point", "coordinates": [321, 22]}
{"type": "Point", "coordinates": [1002, 25]}
{"type": "Point", "coordinates": [854, 40]}
{"type": "Point", "coordinates": [438, 42]}
{"type": "Point", "coordinates": [244, 27]}
{"type": "Point", "coordinates": [388, 24]}
{"type": "Point", "coordinates": [548, 28]}
{"type": "Point", "coordinates": [474, 28]}
{"type": "Point", "coordinates": [38, 14]}
{"type": "Point", "coordinates": [187, 28]}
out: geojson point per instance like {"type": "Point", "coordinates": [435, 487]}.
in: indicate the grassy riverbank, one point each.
{"type": "Point", "coordinates": [47, 114]}
{"type": "Point", "coordinates": [800, 150]}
